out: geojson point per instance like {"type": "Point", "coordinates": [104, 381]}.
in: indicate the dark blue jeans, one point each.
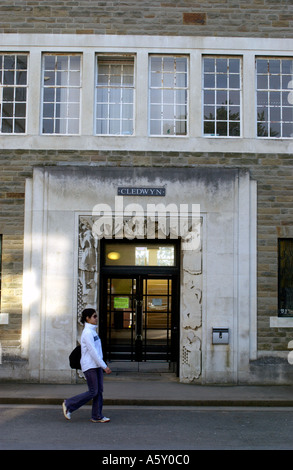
{"type": "Point", "coordinates": [94, 378]}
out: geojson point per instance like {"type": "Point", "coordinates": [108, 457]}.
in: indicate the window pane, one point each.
{"type": "Point", "coordinates": [61, 94]}
{"type": "Point", "coordinates": [7, 126]}
{"type": "Point", "coordinates": [102, 111]}
{"type": "Point", "coordinates": [180, 127]}
{"type": "Point", "coordinates": [234, 113]}
{"type": "Point", "coordinates": [234, 81]}
{"type": "Point", "coordinates": [262, 82]}
{"type": "Point", "coordinates": [275, 129]}
{"type": "Point", "coordinates": [114, 127]}
{"type": "Point", "coordinates": [209, 65]}
{"type": "Point", "coordinates": [101, 127]}
{"type": "Point", "coordinates": [234, 129]}
{"type": "Point", "coordinates": [168, 95]}
{"type": "Point", "coordinates": [222, 97]}
{"type": "Point", "coordinates": [221, 81]}
{"type": "Point", "coordinates": [288, 130]}
{"type": "Point", "coordinates": [73, 126]}
{"type": "Point", "coordinates": [139, 255]}
{"type": "Point", "coordinates": [7, 109]}
{"type": "Point", "coordinates": [21, 77]}
{"type": "Point", "coordinates": [221, 128]}
{"type": "Point", "coordinates": [127, 127]}
{"type": "Point", "coordinates": [155, 127]}
{"type": "Point", "coordinates": [19, 126]}
{"type": "Point", "coordinates": [223, 74]}
{"type": "Point", "coordinates": [156, 96]}
{"type": "Point", "coordinates": [8, 94]}
{"type": "Point", "coordinates": [114, 111]}
{"type": "Point", "coordinates": [20, 94]}
{"type": "Point", "coordinates": [209, 112]}
{"type": "Point", "coordinates": [20, 109]}
{"type": "Point", "coordinates": [288, 114]}
{"type": "Point", "coordinates": [13, 85]}
{"type": "Point", "coordinates": [209, 128]}
{"type": "Point", "coordinates": [48, 126]}
{"type": "Point", "coordinates": [209, 97]}
{"type": "Point", "coordinates": [285, 297]}
{"type": "Point", "coordinates": [274, 78]}
{"type": "Point", "coordinates": [209, 80]}
{"type": "Point", "coordinates": [49, 62]}
{"type": "Point", "coordinates": [221, 65]}
{"type": "Point", "coordinates": [127, 112]}
{"type": "Point", "coordinates": [115, 95]}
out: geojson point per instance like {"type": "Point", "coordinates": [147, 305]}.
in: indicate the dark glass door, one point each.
{"type": "Point", "coordinates": [139, 317]}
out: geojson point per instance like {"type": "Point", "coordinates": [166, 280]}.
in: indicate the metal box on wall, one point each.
{"type": "Point", "coordinates": [220, 335]}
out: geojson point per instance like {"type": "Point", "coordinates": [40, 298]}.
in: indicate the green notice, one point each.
{"type": "Point", "coordinates": [121, 302]}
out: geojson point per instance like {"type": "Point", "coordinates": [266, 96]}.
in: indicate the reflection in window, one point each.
{"type": "Point", "coordinates": [115, 96]}
{"type": "Point", "coordinates": [168, 95]}
{"type": "Point", "coordinates": [13, 93]}
{"type": "Point", "coordinates": [274, 97]}
{"type": "Point", "coordinates": [132, 254]}
{"type": "Point", "coordinates": [158, 256]}
{"type": "Point", "coordinates": [141, 256]}
{"type": "Point", "coordinates": [165, 256]}
{"type": "Point", "coordinates": [61, 94]}
{"type": "Point", "coordinates": [286, 277]}
{"type": "Point", "coordinates": [221, 96]}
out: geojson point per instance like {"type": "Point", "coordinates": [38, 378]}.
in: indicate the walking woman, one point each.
{"type": "Point", "coordinates": [92, 365]}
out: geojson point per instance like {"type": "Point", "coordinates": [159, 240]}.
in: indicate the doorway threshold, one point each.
{"type": "Point", "coordinates": [142, 370]}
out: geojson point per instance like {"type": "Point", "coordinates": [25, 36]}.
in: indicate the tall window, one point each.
{"type": "Point", "coordinates": [168, 83]}
{"type": "Point", "coordinates": [115, 95]}
{"type": "Point", "coordinates": [13, 93]}
{"type": "Point", "coordinates": [61, 94]}
{"type": "Point", "coordinates": [285, 276]}
{"type": "Point", "coordinates": [222, 96]}
{"type": "Point", "coordinates": [274, 97]}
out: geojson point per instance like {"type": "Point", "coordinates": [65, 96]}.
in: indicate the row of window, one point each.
{"type": "Point", "coordinates": [168, 95]}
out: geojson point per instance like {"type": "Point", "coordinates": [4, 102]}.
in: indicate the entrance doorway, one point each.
{"type": "Point", "coordinates": [139, 302]}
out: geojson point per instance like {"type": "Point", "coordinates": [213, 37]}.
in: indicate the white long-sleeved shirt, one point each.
{"type": "Point", "coordinates": [91, 349]}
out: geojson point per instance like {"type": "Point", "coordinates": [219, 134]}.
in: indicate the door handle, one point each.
{"type": "Point", "coordinates": [138, 319]}
{"type": "Point", "coordinates": [138, 330]}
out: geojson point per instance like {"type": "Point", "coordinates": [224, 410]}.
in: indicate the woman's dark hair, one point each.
{"type": "Point", "coordinates": [87, 312]}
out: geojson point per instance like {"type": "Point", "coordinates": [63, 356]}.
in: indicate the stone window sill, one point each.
{"type": "Point", "coordinates": [281, 322]}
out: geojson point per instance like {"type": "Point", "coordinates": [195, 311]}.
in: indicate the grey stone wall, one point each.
{"type": "Point", "coordinates": [248, 18]}
{"type": "Point", "coordinates": [273, 174]}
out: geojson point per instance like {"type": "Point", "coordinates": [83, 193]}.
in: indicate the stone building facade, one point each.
{"type": "Point", "coordinates": [225, 147]}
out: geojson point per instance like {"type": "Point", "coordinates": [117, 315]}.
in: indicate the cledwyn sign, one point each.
{"type": "Point", "coordinates": [141, 191]}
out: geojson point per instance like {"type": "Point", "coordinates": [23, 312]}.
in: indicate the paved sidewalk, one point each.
{"type": "Point", "coordinates": [151, 390]}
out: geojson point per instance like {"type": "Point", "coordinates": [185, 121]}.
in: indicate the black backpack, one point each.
{"type": "Point", "coordinates": [74, 358]}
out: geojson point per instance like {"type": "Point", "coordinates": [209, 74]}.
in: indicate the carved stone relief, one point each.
{"type": "Point", "coordinates": [88, 268]}
{"type": "Point", "coordinates": [191, 304]}
{"type": "Point", "coordinates": [191, 283]}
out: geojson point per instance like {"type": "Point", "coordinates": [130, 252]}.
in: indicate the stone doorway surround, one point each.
{"type": "Point", "coordinates": [217, 276]}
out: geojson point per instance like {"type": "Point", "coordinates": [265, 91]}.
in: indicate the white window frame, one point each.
{"type": "Point", "coordinates": [269, 90]}
{"type": "Point", "coordinates": [65, 89]}
{"type": "Point", "coordinates": [35, 45]}
{"type": "Point", "coordinates": [174, 120]}
{"type": "Point", "coordinates": [121, 88]}
{"type": "Point", "coordinates": [14, 86]}
{"type": "Point", "coordinates": [225, 90]}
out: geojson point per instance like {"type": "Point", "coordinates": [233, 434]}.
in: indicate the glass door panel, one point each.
{"type": "Point", "coordinates": [157, 317]}
{"type": "Point", "coordinates": [120, 315]}
{"type": "Point", "coordinates": [139, 312]}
